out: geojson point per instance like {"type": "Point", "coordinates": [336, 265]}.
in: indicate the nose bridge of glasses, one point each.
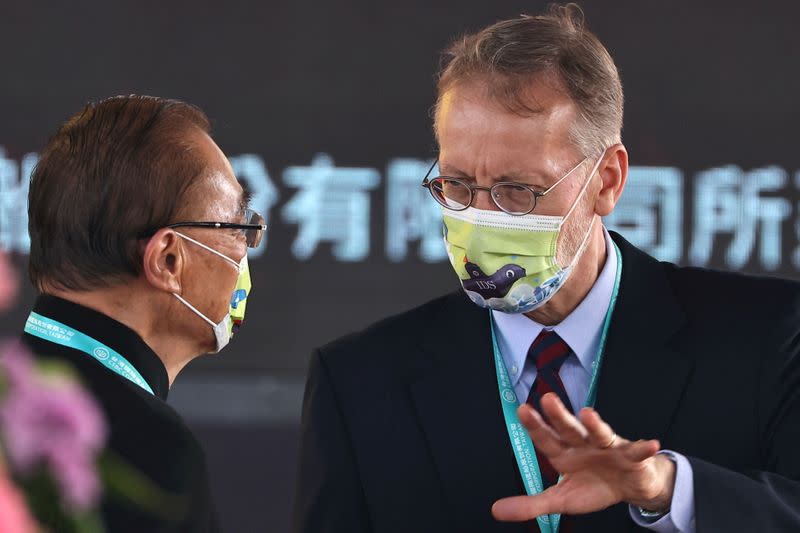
{"type": "Point", "coordinates": [485, 201]}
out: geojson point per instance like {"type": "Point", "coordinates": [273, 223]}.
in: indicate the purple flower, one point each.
{"type": "Point", "coordinates": [17, 365]}
{"type": "Point", "coordinates": [48, 418]}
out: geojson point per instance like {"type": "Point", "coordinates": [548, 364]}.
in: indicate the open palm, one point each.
{"type": "Point", "coordinates": [599, 468]}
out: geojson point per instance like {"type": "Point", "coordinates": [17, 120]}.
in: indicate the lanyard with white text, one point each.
{"type": "Point", "coordinates": [53, 331]}
{"type": "Point", "coordinates": [520, 440]}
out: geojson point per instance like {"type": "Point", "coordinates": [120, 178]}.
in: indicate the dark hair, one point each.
{"type": "Point", "coordinates": [509, 54]}
{"type": "Point", "coordinates": [113, 171]}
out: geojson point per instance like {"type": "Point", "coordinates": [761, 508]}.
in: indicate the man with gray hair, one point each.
{"type": "Point", "coordinates": [608, 391]}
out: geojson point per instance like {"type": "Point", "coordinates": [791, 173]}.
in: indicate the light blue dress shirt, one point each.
{"type": "Point", "coordinates": [581, 330]}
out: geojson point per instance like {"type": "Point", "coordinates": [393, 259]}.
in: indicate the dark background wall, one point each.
{"type": "Point", "coordinates": [324, 110]}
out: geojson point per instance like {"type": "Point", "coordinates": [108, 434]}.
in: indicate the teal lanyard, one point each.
{"type": "Point", "coordinates": [58, 333]}
{"type": "Point", "coordinates": [520, 440]}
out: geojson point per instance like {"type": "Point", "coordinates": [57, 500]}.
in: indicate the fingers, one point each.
{"type": "Point", "coordinates": [589, 429]}
{"type": "Point", "coordinates": [641, 449]}
{"type": "Point", "coordinates": [543, 436]}
{"type": "Point", "coordinates": [600, 434]}
{"type": "Point", "coordinates": [523, 508]}
{"type": "Point", "coordinates": [566, 425]}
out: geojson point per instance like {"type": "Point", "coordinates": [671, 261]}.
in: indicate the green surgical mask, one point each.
{"type": "Point", "coordinates": [506, 262]}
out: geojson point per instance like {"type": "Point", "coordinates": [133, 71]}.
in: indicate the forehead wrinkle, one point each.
{"type": "Point", "coordinates": [515, 174]}
{"type": "Point", "coordinates": [480, 138]}
{"type": "Point", "coordinates": [213, 199]}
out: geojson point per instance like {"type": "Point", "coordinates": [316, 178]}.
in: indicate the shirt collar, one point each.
{"type": "Point", "coordinates": [111, 333]}
{"type": "Point", "coordinates": [581, 329]}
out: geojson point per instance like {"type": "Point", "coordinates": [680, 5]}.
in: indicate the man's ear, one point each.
{"type": "Point", "coordinates": [613, 171]}
{"type": "Point", "coordinates": [163, 261]}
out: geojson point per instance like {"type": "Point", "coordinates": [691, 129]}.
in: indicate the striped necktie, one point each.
{"type": "Point", "coordinates": [548, 352]}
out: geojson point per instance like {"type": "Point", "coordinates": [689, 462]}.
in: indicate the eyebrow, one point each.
{"type": "Point", "coordinates": [535, 179]}
{"type": "Point", "coordinates": [244, 201]}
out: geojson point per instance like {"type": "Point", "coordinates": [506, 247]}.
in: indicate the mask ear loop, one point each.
{"type": "Point", "coordinates": [583, 189]}
{"type": "Point", "coordinates": [213, 251]}
{"type": "Point", "coordinates": [238, 267]}
{"type": "Point", "coordinates": [585, 240]}
{"type": "Point", "coordinates": [582, 247]}
{"type": "Point", "coordinates": [194, 309]}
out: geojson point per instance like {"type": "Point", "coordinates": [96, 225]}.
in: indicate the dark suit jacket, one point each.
{"type": "Point", "coordinates": [144, 431]}
{"type": "Point", "coordinates": [402, 428]}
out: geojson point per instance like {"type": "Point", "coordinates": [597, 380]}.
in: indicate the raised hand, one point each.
{"type": "Point", "coordinates": [600, 468]}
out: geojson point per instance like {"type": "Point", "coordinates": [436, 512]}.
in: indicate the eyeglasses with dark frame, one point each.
{"type": "Point", "coordinates": [253, 228]}
{"type": "Point", "coordinates": [514, 198]}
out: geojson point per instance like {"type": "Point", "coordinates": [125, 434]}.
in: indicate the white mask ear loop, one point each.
{"type": "Point", "coordinates": [194, 309]}
{"type": "Point", "coordinates": [582, 247]}
{"type": "Point", "coordinates": [583, 189]}
{"type": "Point", "coordinates": [585, 240]}
{"type": "Point", "coordinates": [213, 251]}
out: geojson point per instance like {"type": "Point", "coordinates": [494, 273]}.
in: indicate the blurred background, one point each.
{"type": "Point", "coordinates": [324, 111]}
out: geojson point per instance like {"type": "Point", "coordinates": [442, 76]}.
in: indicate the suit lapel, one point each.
{"type": "Point", "coordinates": [642, 376]}
{"type": "Point", "coordinates": [456, 401]}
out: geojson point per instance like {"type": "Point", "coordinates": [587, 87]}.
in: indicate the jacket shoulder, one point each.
{"type": "Point", "coordinates": [737, 300]}
{"type": "Point", "coordinates": [740, 291]}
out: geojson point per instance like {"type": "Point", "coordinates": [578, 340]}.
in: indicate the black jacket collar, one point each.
{"type": "Point", "coordinates": [111, 333]}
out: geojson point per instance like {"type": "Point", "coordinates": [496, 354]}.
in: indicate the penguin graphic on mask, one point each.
{"type": "Point", "coordinates": [496, 285]}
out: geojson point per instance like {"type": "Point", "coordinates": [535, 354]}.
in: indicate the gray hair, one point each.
{"type": "Point", "coordinates": [557, 46]}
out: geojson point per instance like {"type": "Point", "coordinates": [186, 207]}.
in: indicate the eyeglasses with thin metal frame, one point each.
{"type": "Point", "coordinates": [253, 228]}
{"type": "Point", "coordinates": [514, 198]}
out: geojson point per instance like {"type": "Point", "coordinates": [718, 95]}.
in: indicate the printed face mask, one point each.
{"type": "Point", "coordinates": [225, 329]}
{"type": "Point", "coordinates": [509, 263]}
